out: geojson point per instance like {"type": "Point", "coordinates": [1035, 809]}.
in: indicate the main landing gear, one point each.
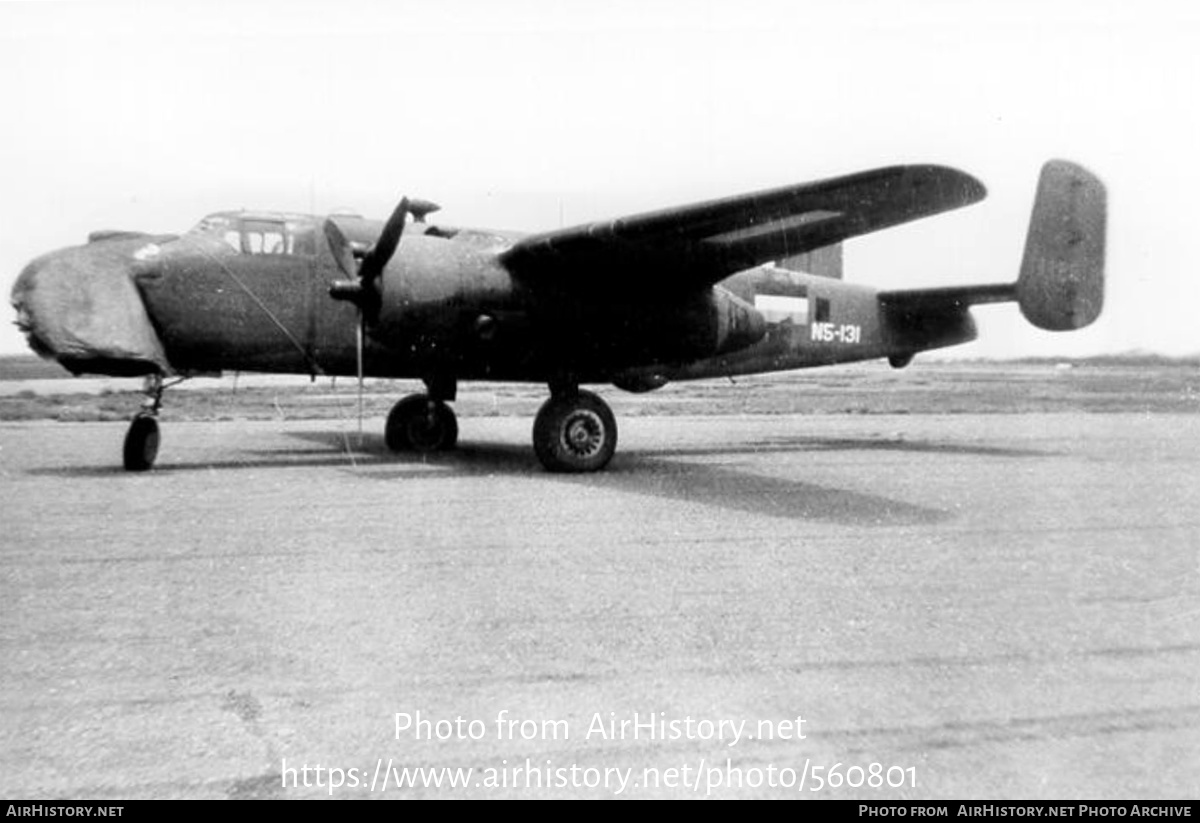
{"type": "Point", "coordinates": [574, 432]}
{"type": "Point", "coordinates": [141, 441]}
{"type": "Point", "coordinates": [423, 422]}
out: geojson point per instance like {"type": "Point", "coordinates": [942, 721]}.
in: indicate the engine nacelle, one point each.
{"type": "Point", "coordinates": [640, 382]}
{"type": "Point", "coordinates": [446, 301]}
{"type": "Point", "coordinates": [680, 329]}
{"type": "Point", "coordinates": [431, 285]}
{"type": "Point", "coordinates": [738, 324]}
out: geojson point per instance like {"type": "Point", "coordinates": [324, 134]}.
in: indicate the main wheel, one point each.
{"type": "Point", "coordinates": [418, 423]}
{"type": "Point", "coordinates": [141, 443]}
{"type": "Point", "coordinates": [575, 432]}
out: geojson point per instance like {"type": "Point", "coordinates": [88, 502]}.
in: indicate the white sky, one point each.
{"type": "Point", "coordinates": [528, 115]}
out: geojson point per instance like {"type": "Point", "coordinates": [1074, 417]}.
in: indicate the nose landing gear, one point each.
{"type": "Point", "coordinates": [142, 438]}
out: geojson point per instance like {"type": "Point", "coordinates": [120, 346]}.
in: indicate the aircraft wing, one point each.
{"type": "Point", "coordinates": [701, 244]}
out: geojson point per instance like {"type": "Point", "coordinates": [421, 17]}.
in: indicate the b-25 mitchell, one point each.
{"type": "Point", "coordinates": [740, 285]}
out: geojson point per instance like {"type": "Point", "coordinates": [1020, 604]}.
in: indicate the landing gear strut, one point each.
{"type": "Point", "coordinates": [422, 424]}
{"type": "Point", "coordinates": [574, 431]}
{"type": "Point", "coordinates": [141, 441]}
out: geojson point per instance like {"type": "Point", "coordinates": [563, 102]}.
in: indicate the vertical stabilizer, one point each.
{"type": "Point", "coordinates": [1061, 284]}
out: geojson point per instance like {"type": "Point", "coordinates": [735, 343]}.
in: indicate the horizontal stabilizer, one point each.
{"type": "Point", "coordinates": [945, 298]}
{"type": "Point", "coordinates": [1061, 285]}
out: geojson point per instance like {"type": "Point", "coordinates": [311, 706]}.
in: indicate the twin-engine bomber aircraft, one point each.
{"type": "Point", "coordinates": [734, 286]}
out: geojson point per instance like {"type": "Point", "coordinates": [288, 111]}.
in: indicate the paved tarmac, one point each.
{"type": "Point", "coordinates": [988, 606]}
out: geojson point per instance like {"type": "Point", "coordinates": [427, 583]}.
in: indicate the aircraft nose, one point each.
{"type": "Point", "coordinates": [80, 306]}
{"type": "Point", "coordinates": [26, 302]}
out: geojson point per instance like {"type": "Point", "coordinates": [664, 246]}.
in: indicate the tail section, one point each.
{"type": "Point", "coordinates": [814, 320]}
{"type": "Point", "coordinates": [1061, 284]}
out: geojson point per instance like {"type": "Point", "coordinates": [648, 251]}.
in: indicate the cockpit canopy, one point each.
{"type": "Point", "coordinates": [250, 233]}
{"type": "Point", "coordinates": [300, 235]}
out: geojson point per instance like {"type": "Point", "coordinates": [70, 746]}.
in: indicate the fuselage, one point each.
{"type": "Point", "coordinates": [250, 292]}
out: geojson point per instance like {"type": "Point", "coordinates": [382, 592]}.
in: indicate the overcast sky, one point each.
{"type": "Point", "coordinates": [528, 115]}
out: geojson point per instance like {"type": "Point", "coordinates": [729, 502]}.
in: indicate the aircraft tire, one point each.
{"type": "Point", "coordinates": [575, 433]}
{"type": "Point", "coordinates": [418, 424]}
{"type": "Point", "coordinates": [141, 443]}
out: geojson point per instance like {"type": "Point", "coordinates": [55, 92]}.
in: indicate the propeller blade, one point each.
{"type": "Point", "coordinates": [377, 258]}
{"type": "Point", "coordinates": [419, 208]}
{"type": "Point", "coordinates": [341, 249]}
{"type": "Point", "coordinates": [351, 288]}
{"type": "Point", "coordinates": [359, 355]}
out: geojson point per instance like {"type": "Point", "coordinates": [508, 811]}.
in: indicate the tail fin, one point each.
{"type": "Point", "coordinates": [1061, 284]}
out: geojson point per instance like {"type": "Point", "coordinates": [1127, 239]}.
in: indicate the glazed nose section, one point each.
{"type": "Point", "coordinates": [80, 306]}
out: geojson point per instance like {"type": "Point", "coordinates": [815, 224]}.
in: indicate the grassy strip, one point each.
{"type": "Point", "coordinates": [945, 388]}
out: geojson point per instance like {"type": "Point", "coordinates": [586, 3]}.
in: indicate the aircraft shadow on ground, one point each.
{"type": "Point", "coordinates": [668, 473]}
{"type": "Point", "coordinates": [812, 444]}
{"type": "Point", "coordinates": [746, 491]}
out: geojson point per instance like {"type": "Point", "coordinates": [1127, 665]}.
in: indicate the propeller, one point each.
{"type": "Point", "coordinates": [364, 287]}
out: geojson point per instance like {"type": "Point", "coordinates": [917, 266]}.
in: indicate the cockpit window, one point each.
{"type": "Point", "coordinates": [261, 236]}
{"type": "Point", "coordinates": [301, 238]}
{"type": "Point", "coordinates": [213, 224]}
{"type": "Point", "coordinates": [222, 226]}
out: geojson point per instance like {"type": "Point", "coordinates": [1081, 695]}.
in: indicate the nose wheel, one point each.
{"type": "Point", "coordinates": [142, 438]}
{"type": "Point", "coordinates": [141, 443]}
{"type": "Point", "coordinates": [574, 431]}
{"type": "Point", "coordinates": [421, 424]}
